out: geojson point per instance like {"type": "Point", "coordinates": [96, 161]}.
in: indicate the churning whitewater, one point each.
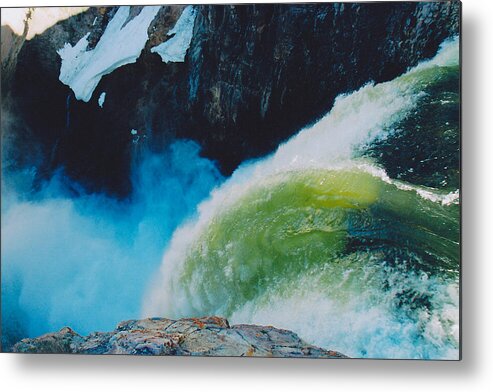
{"type": "Point", "coordinates": [319, 239]}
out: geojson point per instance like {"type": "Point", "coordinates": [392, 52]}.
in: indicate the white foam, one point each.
{"type": "Point", "coordinates": [348, 319]}
{"type": "Point", "coordinates": [431, 194]}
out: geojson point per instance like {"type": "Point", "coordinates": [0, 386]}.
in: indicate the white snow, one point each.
{"type": "Point", "coordinates": [101, 99]}
{"type": "Point", "coordinates": [175, 49]}
{"type": "Point", "coordinates": [82, 70]}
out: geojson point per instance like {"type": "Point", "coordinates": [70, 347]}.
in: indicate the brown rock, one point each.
{"type": "Point", "coordinates": [205, 336]}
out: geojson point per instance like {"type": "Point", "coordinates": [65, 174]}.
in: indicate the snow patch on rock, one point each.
{"type": "Point", "coordinates": [175, 49]}
{"type": "Point", "coordinates": [101, 99]}
{"type": "Point", "coordinates": [120, 44]}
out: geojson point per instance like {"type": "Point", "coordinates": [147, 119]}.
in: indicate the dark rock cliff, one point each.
{"type": "Point", "coordinates": [259, 73]}
{"type": "Point", "coordinates": [253, 76]}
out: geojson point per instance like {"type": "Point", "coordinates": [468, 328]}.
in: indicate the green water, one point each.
{"type": "Point", "coordinates": [348, 234]}
{"type": "Point", "coordinates": [307, 220]}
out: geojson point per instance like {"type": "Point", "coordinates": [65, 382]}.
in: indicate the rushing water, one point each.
{"type": "Point", "coordinates": [348, 234]}
{"type": "Point", "coordinates": [332, 236]}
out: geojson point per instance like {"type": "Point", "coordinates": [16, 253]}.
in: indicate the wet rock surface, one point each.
{"type": "Point", "coordinates": [207, 336]}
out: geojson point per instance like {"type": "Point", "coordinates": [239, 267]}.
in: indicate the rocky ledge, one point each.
{"type": "Point", "coordinates": [207, 336]}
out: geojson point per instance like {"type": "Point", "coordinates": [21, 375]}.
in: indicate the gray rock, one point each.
{"type": "Point", "coordinates": [206, 336]}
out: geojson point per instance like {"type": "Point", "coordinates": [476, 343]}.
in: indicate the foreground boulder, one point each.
{"type": "Point", "coordinates": [207, 336]}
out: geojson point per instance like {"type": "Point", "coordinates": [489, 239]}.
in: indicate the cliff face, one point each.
{"type": "Point", "coordinates": [253, 76]}
{"type": "Point", "coordinates": [207, 336]}
{"type": "Point", "coordinates": [92, 144]}
{"type": "Point", "coordinates": [259, 73]}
